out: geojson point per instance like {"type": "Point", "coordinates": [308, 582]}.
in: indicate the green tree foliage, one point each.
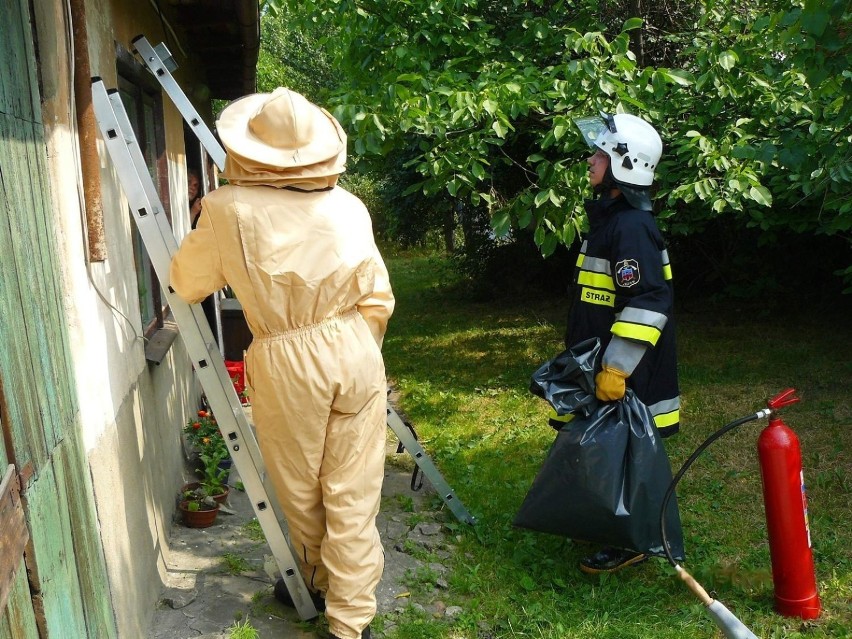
{"type": "Point", "coordinates": [303, 59]}
{"type": "Point", "coordinates": [294, 57]}
{"type": "Point", "coordinates": [479, 97]}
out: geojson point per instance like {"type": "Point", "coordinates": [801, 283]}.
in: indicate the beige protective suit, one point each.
{"type": "Point", "coordinates": [300, 256]}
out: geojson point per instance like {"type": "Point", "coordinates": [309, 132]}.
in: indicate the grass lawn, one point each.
{"type": "Point", "coordinates": [462, 368]}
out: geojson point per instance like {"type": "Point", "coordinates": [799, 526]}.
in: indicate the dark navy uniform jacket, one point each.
{"type": "Point", "coordinates": [623, 295]}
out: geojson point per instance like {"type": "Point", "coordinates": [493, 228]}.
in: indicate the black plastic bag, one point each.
{"type": "Point", "coordinates": [567, 382]}
{"type": "Point", "coordinates": [606, 474]}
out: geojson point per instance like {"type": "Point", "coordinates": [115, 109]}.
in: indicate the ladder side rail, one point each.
{"type": "Point", "coordinates": [406, 437]}
{"type": "Point", "coordinates": [217, 317]}
{"type": "Point", "coordinates": [208, 362]}
{"type": "Point", "coordinates": [156, 65]}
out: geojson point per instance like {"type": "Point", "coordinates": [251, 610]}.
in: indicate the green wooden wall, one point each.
{"type": "Point", "coordinates": [67, 594]}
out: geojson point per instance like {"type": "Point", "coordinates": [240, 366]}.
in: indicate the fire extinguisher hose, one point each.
{"type": "Point", "coordinates": [685, 467]}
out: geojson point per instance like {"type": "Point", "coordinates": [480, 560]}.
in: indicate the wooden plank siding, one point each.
{"type": "Point", "coordinates": [88, 551]}
{"type": "Point", "coordinates": [20, 96]}
{"type": "Point", "coordinates": [56, 589]}
{"type": "Point", "coordinates": [19, 621]}
{"type": "Point", "coordinates": [64, 591]}
{"type": "Point", "coordinates": [17, 107]}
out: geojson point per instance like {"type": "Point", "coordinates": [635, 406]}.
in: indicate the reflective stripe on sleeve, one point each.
{"type": "Point", "coordinates": [597, 280]}
{"type": "Point", "coordinates": [623, 354]}
{"type": "Point", "coordinates": [597, 265]}
{"type": "Point", "coordinates": [637, 332]}
{"type": "Point", "coordinates": [643, 316]}
{"type": "Point", "coordinates": [667, 267]}
{"type": "Point", "coordinates": [558, 421]}
{"type": "Point", "coordinates": [666, 413]}
{"type": "Point", "coordinates": [639, 324]}
{"type": "Point", "coordinates": [556, 417]}
{"type": "Point", "coordinates": [582, 255]}
{"type": "Point", "coordinates": [667, 419]}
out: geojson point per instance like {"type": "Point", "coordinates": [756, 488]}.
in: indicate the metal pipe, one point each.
{"type": "Point", "coordinates": [88, 133]}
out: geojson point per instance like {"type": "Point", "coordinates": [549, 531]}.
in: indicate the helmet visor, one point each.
{"type": "Point", "coordinates": [592, 126]}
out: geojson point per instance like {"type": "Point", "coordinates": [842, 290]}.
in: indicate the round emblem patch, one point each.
{"type": "Point", "coordinates": [627, 273]}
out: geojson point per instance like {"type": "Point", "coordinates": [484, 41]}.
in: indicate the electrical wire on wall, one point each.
{"type": "Point", "coordinates": [167, 29]}
{"type": "Point", "coordinates": [78, 169]}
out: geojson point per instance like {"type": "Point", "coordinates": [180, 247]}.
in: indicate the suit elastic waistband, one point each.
{"type": "Point", "coordinates": [308, 328]}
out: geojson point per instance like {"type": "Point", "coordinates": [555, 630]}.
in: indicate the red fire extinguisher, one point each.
{"type": "Point", "coordinates": [787, 515]}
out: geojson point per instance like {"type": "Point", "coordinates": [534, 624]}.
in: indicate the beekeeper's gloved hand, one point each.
{"type": "Point", "coordinates": [618, 362]}
{"type": "Point", "coordinates": [610, 384]}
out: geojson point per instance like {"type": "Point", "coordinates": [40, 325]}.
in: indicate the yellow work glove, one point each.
{"type": "Point", "coordinates": [609, 384]}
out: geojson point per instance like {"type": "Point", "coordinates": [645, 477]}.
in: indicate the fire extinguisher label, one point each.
{"type": "Point", "coordinates": [805, 506]}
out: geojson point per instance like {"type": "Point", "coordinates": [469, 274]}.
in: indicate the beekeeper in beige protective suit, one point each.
{"type": "Point", "coordinates": [299, 253]}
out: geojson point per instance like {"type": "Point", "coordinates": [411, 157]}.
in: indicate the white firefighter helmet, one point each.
{"type": "Point", "coordinates": [633, 145]}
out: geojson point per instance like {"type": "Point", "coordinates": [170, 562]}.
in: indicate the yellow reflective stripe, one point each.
{"type": "Point", "coordinates": [667, 271]}
{"type": "Point", "coordinates": [580, 259]}
{"type": "Point", "coordinates": [667, 419]}
{"type": "Point", "coordinates": [638, 332]}
{"type": "Point", "coordinates": [598, 280]}
{"type": "Point", "coordinates": [552, 416]}
{"type": "Point", "coordinates": [596, 296]}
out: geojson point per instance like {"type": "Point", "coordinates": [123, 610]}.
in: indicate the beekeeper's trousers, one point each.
{"type": "Point", "coordinates": [319, 402]}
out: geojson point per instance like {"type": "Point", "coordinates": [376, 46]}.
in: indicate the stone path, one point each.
{"type": "Point", "coordinates": [217, 578]}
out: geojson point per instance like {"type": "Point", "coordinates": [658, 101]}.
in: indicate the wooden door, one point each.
{"type": "Point", "coordinates": [59, 588]}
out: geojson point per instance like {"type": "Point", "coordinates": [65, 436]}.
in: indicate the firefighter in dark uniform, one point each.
{"type": "Point", "coordinates": [623, 287]}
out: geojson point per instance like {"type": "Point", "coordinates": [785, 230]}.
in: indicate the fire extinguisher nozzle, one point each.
{"type": "Point", "coordinates": [784, 398]}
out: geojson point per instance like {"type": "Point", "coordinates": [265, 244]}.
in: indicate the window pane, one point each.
{"type": "Point", "coordinates": [143, 128]}
{"type": "Point", "coordinates": [144, 281]}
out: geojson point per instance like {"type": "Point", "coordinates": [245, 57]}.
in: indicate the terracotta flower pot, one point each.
{"type": "Point", "coordinates": [222, 497]}
{"type": "Point", "coordinates": [198, 518]}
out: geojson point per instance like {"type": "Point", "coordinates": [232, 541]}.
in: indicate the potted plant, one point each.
{"type": "Point", "coordinates": [213, 476]}
{"type": "Point", "coordinates": [202, 433]}
{"type": "Point", "coordinates": [200, 500]}
{"type": "Point", "coordinates": [198, 509]}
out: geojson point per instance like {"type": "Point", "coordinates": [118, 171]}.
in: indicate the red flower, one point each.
{"type": "Point", "coordinates": [196, 425]}
{"type": "Point", "coordinates": [202, 413]}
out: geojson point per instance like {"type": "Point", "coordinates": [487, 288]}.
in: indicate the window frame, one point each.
{"type": "Point", "coordinates": [147, 120]}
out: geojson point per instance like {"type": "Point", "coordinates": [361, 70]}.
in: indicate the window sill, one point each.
{"type": "Point", "coordinates": [157, 346]}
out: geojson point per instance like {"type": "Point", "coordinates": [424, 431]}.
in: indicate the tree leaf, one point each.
{"type": "Point", "coordinates": [453, 187]}
{"type": "Point", "coordinates": [632, 23]}
{"type": "Point", "coordinates": [681, 77]}
{"type": "Point", "coordinates": [549, 244]}
{"type": "Point", "coordinates": [761, 195]}
{"type": "Point", "coordinates": [728, 60]}
{"type": "Point", "coordinates": [501, 223]}
{"type": "Point", "coordinates": [814, 22]}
